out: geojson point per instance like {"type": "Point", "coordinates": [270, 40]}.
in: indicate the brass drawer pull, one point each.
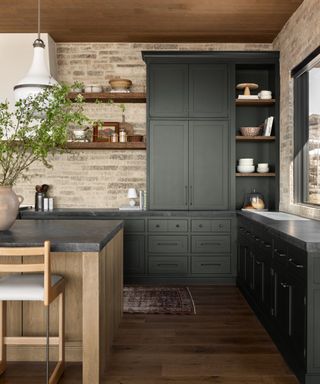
{"type": "Point", "coordinates": [284, 285]}
{"type": "Point", "coordinates": [167, 244]}
{"type": "Point", "coordinates": [280, 254]}
{"type": "Point", "coordinates": [207, 243]}
{"type": "Point", "coordinates": [167, 265]}
{"type": "Point", "coordinates": [210, 264]}
{"type": "Point", "coordinates": [177, 226]}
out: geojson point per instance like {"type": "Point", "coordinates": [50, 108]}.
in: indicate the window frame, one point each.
{"type": "Point", "coordinates": [300, 76]}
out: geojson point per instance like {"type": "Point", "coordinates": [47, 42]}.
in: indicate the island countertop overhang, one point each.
{"type": "Point", "coordinates": [65, 235]}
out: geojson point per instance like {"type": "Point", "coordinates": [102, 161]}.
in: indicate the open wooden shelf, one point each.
{"type": "Point", "coordinates": [255, 102]}
{"type": "Point", "coordinates": [132, 97]}
{"type": "Point", "coordinates": [106, 145]}
{"type": "Point", "coordinates": [255, 174]}
{"type": "Point", "coordinates": [255, 138]}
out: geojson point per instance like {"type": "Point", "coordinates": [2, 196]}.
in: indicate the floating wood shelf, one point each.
{"type": "Point", "coordinates": [255, 102]}
{"type": "Point", "coordinates": [104, 145]}
{"type": "Point", "coordinates": [255, 138]}
{"type": "Point", "coordinates": [106, 96]}
{"type": "Point", "coordinates": [255, 174]}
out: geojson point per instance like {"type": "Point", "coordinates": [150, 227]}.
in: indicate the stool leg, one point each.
{"type": "Point", "coordinates": [61, 327]}
{"type": "Point", "coordinates": [48, 341]}
{"type": "Point", "coordinates": [3, 347]}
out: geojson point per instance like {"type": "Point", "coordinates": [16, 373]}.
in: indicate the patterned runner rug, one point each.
{"type": "Point", "coordinates": [162, 300]}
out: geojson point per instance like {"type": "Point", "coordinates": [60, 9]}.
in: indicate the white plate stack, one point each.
{"type": "Point", "coordinates": [246, 166]}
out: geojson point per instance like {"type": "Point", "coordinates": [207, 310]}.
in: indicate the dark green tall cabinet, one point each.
{"type": "Point", "coordinates": [189, 140]}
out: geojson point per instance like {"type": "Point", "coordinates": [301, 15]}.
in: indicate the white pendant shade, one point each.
{"type": "Point", "coordinates": [38, 76]}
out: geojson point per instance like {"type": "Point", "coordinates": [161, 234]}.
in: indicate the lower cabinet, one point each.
{"type": "Point", "coordinates": [184, 248]}
{"type": "Point", "coordinates": [272, 274]}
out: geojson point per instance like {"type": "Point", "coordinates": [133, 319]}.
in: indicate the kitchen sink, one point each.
{"type": "Point", "coordinates": [280, 216]}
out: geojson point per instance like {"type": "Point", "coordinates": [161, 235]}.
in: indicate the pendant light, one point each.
{"type": "Point", "coordinates": [38, 76]}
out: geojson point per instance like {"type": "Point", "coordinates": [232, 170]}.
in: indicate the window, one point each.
{"type": "Point", "coordinates": [307, 129]}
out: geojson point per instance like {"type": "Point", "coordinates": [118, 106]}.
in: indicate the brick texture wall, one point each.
{"type": "Point", "coordinates": [299, 37]}
{"type": "Point", "coordinates": [100, 179]}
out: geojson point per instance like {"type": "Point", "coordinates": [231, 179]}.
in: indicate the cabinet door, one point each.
{"type": "Point", "coordinates": [168, 164]}
{"type": "Point", "coordinates": [208, 165]}
{"type": "Point", "coordinates": [168, 89]}
{"type": "Point", "coordinates": [241, 264]}
{"type": "Point", "coordinates": [134, 254]}
{"type": "Point", "coordinates": [297, 320]}
{"type": "Point", "coordinates": [208, 91]}
{"type": "Point", "coordinates": [282, 292]}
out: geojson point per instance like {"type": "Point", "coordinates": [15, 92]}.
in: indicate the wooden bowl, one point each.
{"type": "Point", "coordinates": [120, 83]}
{"type": "Point", "coordinates": [250, 131]}
{"type": "Point", "coordinates": [135, 138]}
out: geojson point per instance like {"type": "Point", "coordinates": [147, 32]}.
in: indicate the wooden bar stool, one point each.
{"type": "Point", "coordinates": [32, 282]}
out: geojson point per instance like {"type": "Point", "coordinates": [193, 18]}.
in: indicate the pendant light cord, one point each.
{"type": "Point", "coordinates": [39, 19]}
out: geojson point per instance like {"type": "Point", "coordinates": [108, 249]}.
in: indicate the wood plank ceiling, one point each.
{"type": "Point", "coordinates": [150, 20]}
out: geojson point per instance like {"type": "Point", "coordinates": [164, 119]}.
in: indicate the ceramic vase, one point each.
{"type": "Point", "coordinates": [9, 207]}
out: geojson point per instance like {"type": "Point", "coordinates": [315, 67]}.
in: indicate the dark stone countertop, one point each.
{"type": "Point", "coordinates": [65, 235]}
{"type": "Point", "coordinates": [302, 234]}
{"type": "Point", "coordinates": [87, 213]}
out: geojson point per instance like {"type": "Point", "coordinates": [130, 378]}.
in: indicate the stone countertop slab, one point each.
{"type": "Point", "coordinates": [302, 234]}
{"type": "Point", "coordinates": [65, 235]}
{"type": "Point", "coordinates": [84, 213]}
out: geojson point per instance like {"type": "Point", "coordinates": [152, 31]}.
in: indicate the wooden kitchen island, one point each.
{"type": "Point", "coordinates": [89, 254]}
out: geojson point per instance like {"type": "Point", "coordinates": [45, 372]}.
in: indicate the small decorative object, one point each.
{"type": "Point", "coordinates": [93, 88]}
{"type": "Point", "coordinates": [114, 138]}
{"type": "Point", "coordinates": [254, 201]}
{"type": "Point", "coordinates": [124, 125]}
{"type": "Point", "coordinates": [250, 131]}
{"type": "Point", "coordinates": [132, 195]}
{"type": "Point", "coordinates": [80, 134]}
{"type": "Point", "coordinates": [102, 131]}
{"type": "Point", "coordinates": [247, 87]}
{"type": "Point", "coordinates": [135, 138]}
{"type": "Point", "coordinates": [263, 168]}
{"type": "Point", "coordinates": [123, 136]}
{"type": "Point", "coordinates": [267, 127]}
{"type": "Point", "coordinates": [50, 203]}
{"type": "Point", "coordinates": [120, 85]}
{"type": "Point", "coordinates": [265, 95]}
{"type": "Point", "coordinates": [246, 166]}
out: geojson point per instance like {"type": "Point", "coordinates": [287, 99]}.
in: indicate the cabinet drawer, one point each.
{"type": "Point", "coordinates": [211, 265]}
{"type": "Point", "coordinates": [134, 225]}
{"type": "Point", "coordinates": [210, 226]}
{"type": "Point", "coordinates": [211, 244]}
{"type": "Point", "coordinates": [168, 225]}
{"type": "Point", "coordinates": [168, 265]}
{"type": "Point", "coordinates": [157, 226]}
{"type": "Point", "coordinates": [168, 244]}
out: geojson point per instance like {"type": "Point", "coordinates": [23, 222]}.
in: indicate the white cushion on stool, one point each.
{"type": "Point", "coordinates": [29, 287]}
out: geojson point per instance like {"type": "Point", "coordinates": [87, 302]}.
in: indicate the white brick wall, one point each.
{"type": "Point", "coordinates": [100, 179]}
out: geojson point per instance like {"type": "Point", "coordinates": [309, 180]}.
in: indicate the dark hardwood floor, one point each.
{"type": "Point", "coordinates": [223, 344]}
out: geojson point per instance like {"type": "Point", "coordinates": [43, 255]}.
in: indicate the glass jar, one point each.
{"type": "Point", "coordinates": [122, 136]}
{"type": "Point", "coordinates": [254, 201]}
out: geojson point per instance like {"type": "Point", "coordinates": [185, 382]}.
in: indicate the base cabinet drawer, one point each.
{"type": "Point", "coordinates": [133, 254]}
{"type": "Point", "coordinates": [168, 265]}
{"type": "Point", "coordinates": [176, 225]}
{"type": "Point", "coordinates": [168, 244]}
{"type": "Point", "coordinates": [210, 225]}
{"type": "Point", "coordinates": [211, 244]}
{"type": "Point", "coordinates": [210, 265]}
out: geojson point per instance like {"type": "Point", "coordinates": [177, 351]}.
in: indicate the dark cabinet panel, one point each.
{"type": "Point", "coordinates": [134, 254]}
{"type": "Point", "coordinates": [208, 164]}
{"type": "Point", "coordinates": [168, 86]}
{"type": "Point", "coordinates": [168, 165]}
{"type": "Point", "coordinates": [208, 92]}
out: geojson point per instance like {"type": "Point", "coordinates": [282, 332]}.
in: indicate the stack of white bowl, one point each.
{"type": "Point", "coordinates": [245, 166]}
{"type": "Point", "coordinates": [263, 168]}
